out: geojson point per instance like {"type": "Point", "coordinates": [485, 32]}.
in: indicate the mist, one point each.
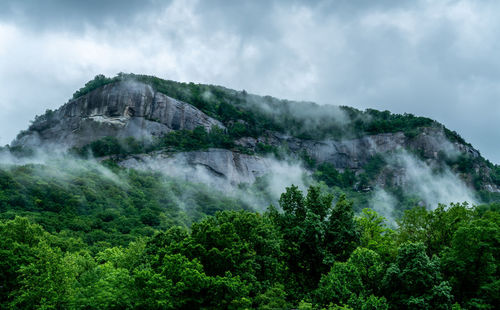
{"type": "Point", "coordinates": [258, 189]}
{"type": "Point", "coordinates": [424, 182]}
{"type": "Point", "coordinates": [61, 165]}
{"type": "Point", "coordinates": [310, 115]}
{"type": "Point", "coordinates": [433, 187]}
{"type": "Point", "coordinates": [384, 204]}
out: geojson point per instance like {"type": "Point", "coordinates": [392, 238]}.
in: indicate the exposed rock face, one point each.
{"type": "Point", "coordinates": [352, 154]}
{"type": "Point", "coordinates": [122, 109]}
{"type": "Point", "coordinates": [220, 167]}
{"type": "Point", "coordinates": [225, 168]}
{"type": "Point", "coordinates": [355, 153]}
{"type": "Point", "coordinates": [132, 109]}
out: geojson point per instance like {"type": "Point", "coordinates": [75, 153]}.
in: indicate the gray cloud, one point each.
{"type": "Point", "coordinates": [57, 15]}
{"type": "Point", "coordinates": [430, 58]}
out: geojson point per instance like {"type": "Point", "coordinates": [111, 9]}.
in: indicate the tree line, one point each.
{"type": "Point", "coordinates": [310, 252]}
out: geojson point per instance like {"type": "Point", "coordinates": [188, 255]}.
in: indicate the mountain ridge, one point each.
{"type": "Point", "coordinates": [147, 109]}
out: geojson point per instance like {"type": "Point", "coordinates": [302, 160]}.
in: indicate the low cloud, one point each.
{"type": "Point", "coordinates": [384, 204]}
{"type": "Point", "coordinates": [430, 58]}
{"type": "Point", "coordinates": [58, 164]}
{"type": "Point", "coordinates": [422, 182]}
{"type": "Point", "coordinates": [432, 187]}
{"type": "Point", "coordinates": [271, 176]}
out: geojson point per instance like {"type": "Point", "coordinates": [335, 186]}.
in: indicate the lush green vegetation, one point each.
{"type": "Point", "coordinates": [247, 115]}
{"type": "Point", "coordinates": [250, 115]}
{"type": "Point", "coordinates": [77, 234]}
{"type": "Point", "coordinates": [179, 140]}
{"type": "Point", "coordinates": [98, 81]}
{"type": "Point", "coordinates": [327, 173]}
{"type": "Point", "coordinates": [314, 254]}
{"type": "Point", "coordinates": [104, 206]}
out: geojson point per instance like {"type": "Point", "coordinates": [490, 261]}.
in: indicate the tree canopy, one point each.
{"type": "Point", "coordinates": [310, 252]}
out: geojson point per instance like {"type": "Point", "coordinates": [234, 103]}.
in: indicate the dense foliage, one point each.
{"type": "Point", "coordinates": [79, 235]}
{"type": "Point", "coordinates": [251, 115]}
{"type": "Point", "coordinates": [179, 140]}
{"type": "Point", "coordinates": [247, 115]}
{"type": "Point", "coordinates": [314, 254]}
{"type": "Point", "coordinates": [104, 206]}
{"type": "Point", "coordinates": [98, 81]}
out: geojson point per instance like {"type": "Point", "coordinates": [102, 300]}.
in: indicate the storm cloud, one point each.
{"type": "Point", "coordinates": [430, 58]}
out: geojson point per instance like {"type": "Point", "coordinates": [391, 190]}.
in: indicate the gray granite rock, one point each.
{"type": "Point", "coordinates": [122, 109]}
{"type": "Point", "coordinates": [220, 167]}
{"type": "Point", "coordinates": [132, 109]}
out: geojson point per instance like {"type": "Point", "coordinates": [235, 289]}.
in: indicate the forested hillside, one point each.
{"type": "Point", "coordinates": [144, 193]}
{"type": "Point", "coordinates": [312, 255]}
{"type": "Point", "coordinates": [229, 105]}
{"type": "Point", "coordinates": [355, 151]}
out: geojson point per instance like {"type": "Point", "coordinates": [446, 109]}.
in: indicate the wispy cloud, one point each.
{"type": "Point", "coordinates": [431, 58]}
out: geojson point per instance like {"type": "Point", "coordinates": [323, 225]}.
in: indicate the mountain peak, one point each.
{"type": "Point", "coordinates": [123, 108]}
{"type": "Point", "coordinates": [172, 117]}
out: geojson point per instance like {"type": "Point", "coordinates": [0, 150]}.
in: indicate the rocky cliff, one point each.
{"type": "Point", "coordinates": [227, 167]}
{"type": "Point", "coordinates": [220, 167]}
{"type": "Point", "coordinates": [129, 108]}
{"type": "Point", "coordinates": [355, 153]}
{"type": "Point", "coordinates": [122, 109]}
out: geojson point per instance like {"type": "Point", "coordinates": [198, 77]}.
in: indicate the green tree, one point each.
{"type": "Point", "coordinates": [18, 239]}
{"type": "Point", "coordinates": [179, 283]}
{"type": "Point", "coordinates": [472, 263]}
{"type": "Point", "coordinates": [243, 244]}
{"type": "Point", "coordinates": [342, 234]}
{"type": "Point", "coordinates": [375, 235]}
{"type": "Point", "coordinates": [315, 234]}
{"type": "Point", "coordinates": [48, 281]}
{"type": "Point", "coordinates": [414, 281]}
{"type": "Point", "coordinates": [370, 269]}
{"type": "Point", "coordinates": [342, 285]}
{"type": "Point", "coordinates": [434, 228]}
{"type": "Point", "coordinates": [272, 298]}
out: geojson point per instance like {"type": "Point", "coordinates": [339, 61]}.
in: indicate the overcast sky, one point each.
{"type": "Point", "coordinates": [438, 59]}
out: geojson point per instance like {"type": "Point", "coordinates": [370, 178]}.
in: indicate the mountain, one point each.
{"type": "Point", "coordinates": [121, 109]}
{"type": "Point", "coordinates": [142, 193]}
{"type": "Point", "coordinates": [228, 138]}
